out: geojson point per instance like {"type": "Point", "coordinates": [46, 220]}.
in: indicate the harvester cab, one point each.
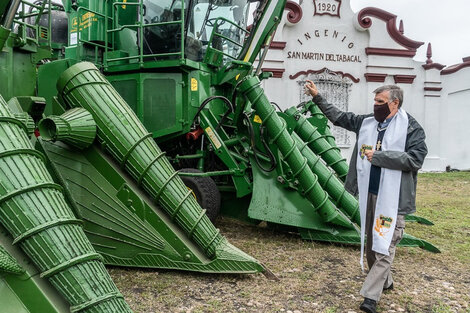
{"type": "Point", "coordinates": [227, 18]}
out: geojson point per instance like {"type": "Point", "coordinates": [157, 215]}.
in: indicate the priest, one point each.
{"type": "Point", "coordinates": [389, 151]}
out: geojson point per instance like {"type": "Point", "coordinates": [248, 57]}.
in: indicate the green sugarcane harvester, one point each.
{"type": "Point", "coordinates": [150, 121]}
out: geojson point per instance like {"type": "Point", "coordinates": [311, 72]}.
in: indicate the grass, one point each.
{"type": "Point", "coordinates": [321, 277]}
{"type": "Point", "coordinates": [444, 198]}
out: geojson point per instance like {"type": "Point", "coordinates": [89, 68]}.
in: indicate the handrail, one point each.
{"type": "Point", "coordinates": [96, 45]}
{"type": "Point", "coordinates": [139, 26]}
{"type": "Point", "coordinates": [218, 22]}
{"type": "Point", "coordinates": [20, 19]}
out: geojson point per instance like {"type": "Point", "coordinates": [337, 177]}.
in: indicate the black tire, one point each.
{"type": "Point", "coordinates": [205, 191]}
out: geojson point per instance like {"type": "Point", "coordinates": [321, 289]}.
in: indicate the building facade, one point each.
{"type": "Point", "coordinates": [348, 55]}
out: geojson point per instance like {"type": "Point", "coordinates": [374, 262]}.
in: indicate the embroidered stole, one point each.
{"type": "Point", "coordinates": [386, 210]}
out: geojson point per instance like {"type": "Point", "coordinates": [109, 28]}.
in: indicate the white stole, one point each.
{"type": "Point", "coordinates": [386, 210]}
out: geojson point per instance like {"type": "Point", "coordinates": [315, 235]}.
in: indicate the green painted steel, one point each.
{"type": "Point", "coordinates": [125, 138]}
{"type": "Point", "coordinates": [291, 154]}
{"type": "Point", "coordinates": [418, 219]}
{"type": "Point", "coordinates": [229, 154]}
{"type": "Point", "coordinates": [274, 203]}
{"type": "Point", "coordinates": [34, 211]}
{"type": "Point", "coordinates": [271, 13]}
{"type": "Point", "coordinates": [123, 223]}
{"type": "Point", "coordinates": [4, 34]}
{"type": "Point", "coordinates": [27, 121]}
{"type": "Point", "coordinates": [319, 144]}
{"type": "Point", "coordinates": [7, 14]}
{"type": "Point", "coordinates": [75, 127]}
{"type": "Point", "coordinates": [9, 264]}
{"type": "Point", "coordinates": [23, 290]}
{"type": "Point", "coordinates": [317, 113]}
{"type": "Point", "coordinates": [329, 182]}
{"type": "Point", "coordinates": [346, 236]}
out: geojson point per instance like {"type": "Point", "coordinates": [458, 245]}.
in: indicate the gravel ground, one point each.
{"type": "Point", "coordinates": [313, 276]}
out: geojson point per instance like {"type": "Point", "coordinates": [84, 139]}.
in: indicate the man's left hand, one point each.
{"type": "Point", "coordinates": [369, 154]}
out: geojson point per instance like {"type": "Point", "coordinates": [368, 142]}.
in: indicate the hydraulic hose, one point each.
{"type": "Point", "coordinates": [251, 133]}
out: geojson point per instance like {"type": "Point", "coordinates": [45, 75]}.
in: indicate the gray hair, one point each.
{"type": "Point", "coordinates": [395, 93]}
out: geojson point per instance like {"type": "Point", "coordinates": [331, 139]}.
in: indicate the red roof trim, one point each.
{"type": "Point", "coordinates": [391, 52]}
{"type": "Point", "coordinates": [404, 79]}
{"type": "Point", "coordinates": [277, 45]}
{"type": "Point", "coordinates": [436, 66]}
{"type": "Point", "coordinates": [391, 21]}
{"type": "Point", "coordinates": [354, 79]}
{"type": "Point", "coordinates": [455, 68]}
{"type": "Point", "coordinates": [295, 12]}
{"type": "Point", "coordinates": [375, 77]}
{"type": "Point", "coordinates": [277, 72]}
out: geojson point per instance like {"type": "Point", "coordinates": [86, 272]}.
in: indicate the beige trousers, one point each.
{"type": "Point", "coordinates": [380, 274]}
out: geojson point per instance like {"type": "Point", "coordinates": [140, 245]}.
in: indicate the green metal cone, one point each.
{"type": "Point", "coordinates": [328, 181]}
{"type": "Point", "coordinates": [128, 142]}
{"type": "Point", "coordinates": [27, 121]}
{"type": "Point", "coordinates": [34, 211]}
{"type": "Point", "coordinates": [75, 127]}
{"type": "Point", "coordinates": [291, 154]}
{"type": "Point", "coordinates": [309, 134]}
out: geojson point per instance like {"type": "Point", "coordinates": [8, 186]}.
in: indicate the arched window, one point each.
{"type": "Point", "coordinates": [335, 89]}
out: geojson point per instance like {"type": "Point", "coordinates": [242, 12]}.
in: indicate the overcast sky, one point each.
{"type": "Point", "coordinates": [446, 24]}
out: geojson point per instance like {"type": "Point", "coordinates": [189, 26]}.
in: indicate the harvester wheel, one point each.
{"type": "Point", "coordinates": [205, 191]}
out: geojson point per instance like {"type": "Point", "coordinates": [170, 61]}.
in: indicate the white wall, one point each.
{"type": "Point", "coordinates": [443, 114]}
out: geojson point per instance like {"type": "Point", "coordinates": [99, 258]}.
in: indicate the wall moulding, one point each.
{"type": "Point", "coordinates": [375, 77]}
{"type": "Point", "coordinates": [390, 52]}
{"type": "Point", "coordinates": [404, 79]}
{"type": "Point", "coordinates": [363, 17]}
{"type": "Point", "coordinates": [342, 74]}
{"type": "Point", "coordinates": [277, 72]}
{"type": "Point", "coordinates": [278, 45]}
{"type": "Point", "coordinates": [295, 12]}
{"type": "Point", "coordinates": [432, 88]}
{"type": "Point", "coordinates": [436, 66]}
{"type": "Point", "coordinates": [455, 68]}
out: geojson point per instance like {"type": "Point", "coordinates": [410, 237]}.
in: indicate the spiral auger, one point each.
{"type": "Point", "coordinates": [319, 144]}
{"type": "Point", "coordinates": [278, 133]}
{"type": "Point", "coordinates": [125, 138]}
{"type": "Point", "coordinates": [34, 211]}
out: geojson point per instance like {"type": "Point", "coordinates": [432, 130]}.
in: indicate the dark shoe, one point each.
{"type": "Point", "coordinates": [368, 305]}
{"type": "Point", "coordinates": [388, 288]}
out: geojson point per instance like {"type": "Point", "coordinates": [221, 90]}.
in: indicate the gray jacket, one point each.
{"type": "Point", "coordinates": [409, 161]}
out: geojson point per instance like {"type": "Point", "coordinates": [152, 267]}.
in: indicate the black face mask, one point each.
{"type": "Point", "coordinates": [381, 111]}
